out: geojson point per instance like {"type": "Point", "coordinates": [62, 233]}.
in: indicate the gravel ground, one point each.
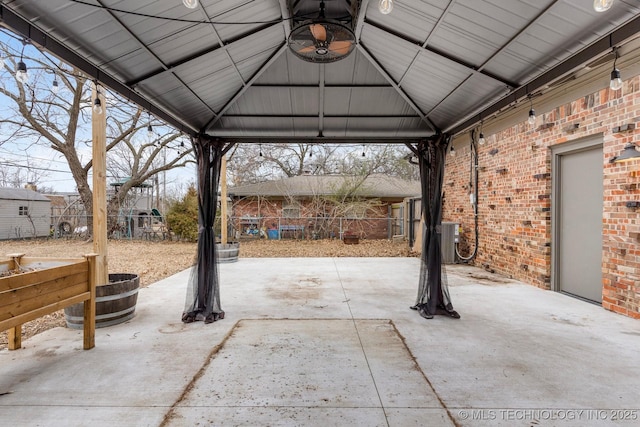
{"type": "Point", "coordinates": [154, 261]}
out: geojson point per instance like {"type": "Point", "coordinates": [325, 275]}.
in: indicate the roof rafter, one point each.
{"type": "Point", "coordinates": [398, 89]}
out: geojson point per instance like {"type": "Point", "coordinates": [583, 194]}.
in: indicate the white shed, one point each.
{"type": "Point", "coordinates": [23, 214]}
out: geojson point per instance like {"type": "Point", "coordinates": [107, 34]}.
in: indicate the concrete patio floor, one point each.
{"type": "Point", "coordinates": [332, 342]}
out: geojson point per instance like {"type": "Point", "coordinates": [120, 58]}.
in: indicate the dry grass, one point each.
{"type": "Point", "coordinates": [154, 261]}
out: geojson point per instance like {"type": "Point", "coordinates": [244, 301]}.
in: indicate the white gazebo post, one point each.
{"type": "Point", "coordinates": [99, 165]}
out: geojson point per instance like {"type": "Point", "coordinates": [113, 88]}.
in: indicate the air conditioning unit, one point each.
{"type": "Point", "coordinates": [449, 236]}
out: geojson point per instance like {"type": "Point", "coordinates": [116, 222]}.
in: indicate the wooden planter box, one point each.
{"type": "Point", "coordinates": [48, 285]}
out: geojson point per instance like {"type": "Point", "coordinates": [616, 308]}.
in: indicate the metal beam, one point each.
{"type": "Point", "coordinates": [244, 88]}
{"type": "Point", "coordinates": [602, 46]}
{"type": "Point", "coordinates": [192, 57]}
{"type": "Point", "coordinates": [398, 89]}
{"type": "Point", "coordinates": [327, 116]}
{"type": "Point", "coordinates": [27, 30]}
{"type": "Point", "coordinates": [470, 67]}
{"type": "Point", "coordinates": [323, 140]}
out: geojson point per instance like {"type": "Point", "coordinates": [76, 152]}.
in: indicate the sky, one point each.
{"type": "Point", "coordinates": [38, 162]}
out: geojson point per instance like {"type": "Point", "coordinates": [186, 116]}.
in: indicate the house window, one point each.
{"type": "Point", "coordinates": [291, 210]}
{"type": "Point", "coordinates": [23, 210]}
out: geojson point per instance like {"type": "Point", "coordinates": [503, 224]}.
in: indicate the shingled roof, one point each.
{"type": "Point", "coordinates": [7, 193]}
{"type": "Point", "coordinates": [379, 186]}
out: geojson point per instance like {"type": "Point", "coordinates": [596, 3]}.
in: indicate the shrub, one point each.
{"type": "Point", "coordinates": [182, 217]}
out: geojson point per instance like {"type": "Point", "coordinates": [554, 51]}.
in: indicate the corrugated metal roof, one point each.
{"type": "Point", "coordinates": [224, 68]}
{"type": "Point", "coordinates": [21, 194]}
{"type": "Point", "coordinates": [378, 186]}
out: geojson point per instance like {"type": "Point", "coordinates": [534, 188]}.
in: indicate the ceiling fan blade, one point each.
{"type": "Point", "coordinates": [340, 47]}
{"type": "Point", "coordinates": [318, 32]}
{"type": "Point", "coordinates": [306, 49]}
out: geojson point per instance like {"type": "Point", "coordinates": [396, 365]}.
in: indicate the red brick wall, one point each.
{"type": "Point", "coordinates": [376, 226]}
{"type": "Point", "coordinates": [515, 187]}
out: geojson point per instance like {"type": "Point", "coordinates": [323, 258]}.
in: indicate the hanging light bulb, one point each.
{"type": "Point", "coordinates": [22, 74]}
{"type": "Point", "coordinates": [363, 155]}
{"type": "Point", "coordinates": [532, 117]}
{"type": "Point", "coordinates": [97, 106]}
{"type": "Point", "coordinates": [385, 6]}
{"type": "Point", "coordinates": [452, 152]}
{"type": "Point", "coordinates": [602, 5]}
{"type": "Point", "coordinates": [616, 80]}
{"type": "Point", "coordinates": [191, 4]}
{"type": "Point", "coordinates": [182, 144]}
{"type": "Point", "coordinates": [311, 152]}
{"type": "Point", "coordinates": [149, 128]}
{"type": "Point", "coordinates": [481, 139]}
{"type": "Point", "coordinates": [260, 153]}
{"type": "Point", "coordinates": [55, 87]}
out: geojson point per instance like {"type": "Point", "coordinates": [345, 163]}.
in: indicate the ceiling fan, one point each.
{"type": "Point", "coordinates": [322, 40]}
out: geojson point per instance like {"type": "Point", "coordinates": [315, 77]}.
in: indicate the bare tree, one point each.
{"type": "Point", "coordinates": [61, 120]}
{"type": "Point", "coordinates": [251, 163]}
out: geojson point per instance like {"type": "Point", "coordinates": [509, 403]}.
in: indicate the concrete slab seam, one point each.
{"type": "Point", "coordinates": [415, 362]}
{"type": "Point", "coordinates": [364, 353]}
{"type": "Point", "coordinates": [201, 371]}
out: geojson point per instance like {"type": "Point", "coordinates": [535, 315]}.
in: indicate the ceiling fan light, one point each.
{"type": "Point", "coordinates": [385, 6]}
{"type": "Point", "coordinates": [602, 5]}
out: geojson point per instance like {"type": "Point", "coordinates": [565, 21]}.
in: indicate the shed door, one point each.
{"type": "Point", "coordinates": [578, 233]}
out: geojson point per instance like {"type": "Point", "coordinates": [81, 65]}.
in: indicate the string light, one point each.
{"type": "Point", "coordinates": [385, 6]}
{"type": "Point", "coordinates": [55, 87]}
{"type": "Point", "coordinates": [532, 113]}
{"type": "Point", "coordinates": [481, 139]}
{"type": "Point", "coordinates": [97, 104]}
{"type": "Point", "coordinates": [149, 128]}
{"type": "Point", "coordinates": [191, 4]}
{"type": "Point", "coordinates": [452, 152]}
{"type": "Point", "coordinates": [616, 76]}
{"type": "Point", "coordinates": [260, 153]}
{"type": "Point", "coordinates": [22, 75]}
{"type": "Point", "coordinates": [363, 155]}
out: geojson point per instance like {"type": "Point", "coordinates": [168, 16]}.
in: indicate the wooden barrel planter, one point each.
{"type": "Point", "coordinates": [228, 252]}
{"type": "Point", "coordinates": [115, 302]}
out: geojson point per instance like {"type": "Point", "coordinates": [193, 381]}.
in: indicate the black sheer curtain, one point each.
{"type": "Point", "coordinates": [433, 292]}
{"type": "Point", "coordinates": [203, 292]}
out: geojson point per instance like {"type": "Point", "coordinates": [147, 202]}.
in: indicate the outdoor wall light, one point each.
{"type": "Point", "coordinates": [629, 153]}
{"type": "Point", "coordinates": [602, 5]}
{"type": "Point", "coordinates": [191, 4]}
{"type": "Point", "coordinates": [22, 74]}
{"type": "Point", "coordinates": [385, 6]}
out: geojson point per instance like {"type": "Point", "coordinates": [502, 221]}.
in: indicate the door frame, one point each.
{"type": "Point", "coordinates": [557, 151]}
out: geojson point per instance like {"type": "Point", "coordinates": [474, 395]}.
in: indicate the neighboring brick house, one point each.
{"type": "Point", "coordinates": [553, 210]}
{"type": "Point", "coordinates": [314, 206]}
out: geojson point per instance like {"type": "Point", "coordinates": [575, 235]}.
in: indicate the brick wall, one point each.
{"type": "Point", "coordinates": [515, 189]}
{"type": "Point", "coordinates": [269, 210]}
